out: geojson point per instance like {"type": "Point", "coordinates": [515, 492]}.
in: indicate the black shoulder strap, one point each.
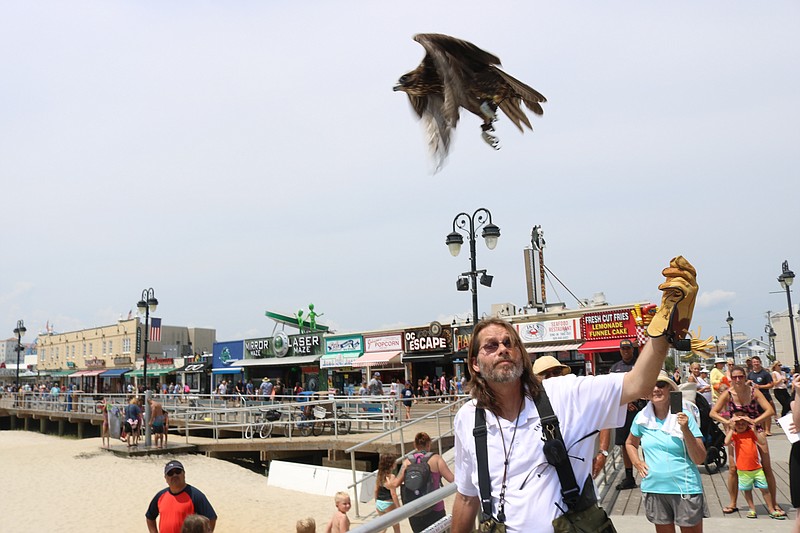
{"type": "Point", "coordinates": [551, 431]}
{"type": "Point", "coordinates": [482, 454]}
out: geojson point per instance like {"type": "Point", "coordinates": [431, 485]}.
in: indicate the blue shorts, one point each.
{"type": "Point", "coordinates": [382, 505]}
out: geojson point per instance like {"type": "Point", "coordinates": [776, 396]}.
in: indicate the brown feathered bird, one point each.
{"type": "Point", "coordinates": [455, 73]}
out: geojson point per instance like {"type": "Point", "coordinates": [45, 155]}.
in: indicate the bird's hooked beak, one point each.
{"type": "Point", "coordinates": [398, 87]}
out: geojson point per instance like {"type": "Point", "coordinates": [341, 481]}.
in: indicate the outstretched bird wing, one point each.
{"type": "Point", "coordinates": [455, 61]}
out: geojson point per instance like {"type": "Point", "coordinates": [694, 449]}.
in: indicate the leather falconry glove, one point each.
{"type": "Point", "coordinates": [702, 347]}
{"type": "Point", "coordinates": [674, 315]}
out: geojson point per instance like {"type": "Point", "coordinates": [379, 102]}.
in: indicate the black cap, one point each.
{"type": "Point", "coordinates": [625, 343]}
{"type": "Point", "coordinates": [172, 465]}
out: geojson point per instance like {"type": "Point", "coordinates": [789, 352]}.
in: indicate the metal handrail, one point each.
{"type": "Point", "coordinates": [406, 510]}
{"type": "Point", "coordinates": [454, 406]}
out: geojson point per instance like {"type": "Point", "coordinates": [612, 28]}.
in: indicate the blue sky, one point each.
{"type": "Point", "coordinates": [245, 156]}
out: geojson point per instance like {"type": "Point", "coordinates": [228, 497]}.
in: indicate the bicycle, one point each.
{"type": "Point", "coordinates": [263, 422]}
{"type": "Point", "coordinates": [343, 421]}
{"type": "Point", "coordinates": [305, 422]}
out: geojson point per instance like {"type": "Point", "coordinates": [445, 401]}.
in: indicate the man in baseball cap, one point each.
{"type": "Point", "coordinates": [174, 503]}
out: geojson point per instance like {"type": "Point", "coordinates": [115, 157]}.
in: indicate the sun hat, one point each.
{"type": "Point", "coordinates": [172, 465]}
{"type": "Point", "coordinates": [718, 360]}
{"type": "Point", "coordinates": [547, 362]}
{"type": "Point", "coordinates": [662, 376]}
{"type": "Point", "coordinates": [264, 379]}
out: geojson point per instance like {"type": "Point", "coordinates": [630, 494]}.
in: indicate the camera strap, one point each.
{"type": "Point", "coordinates": [482, 454]}
{"type": "Point", "coordinates": [555, 450]}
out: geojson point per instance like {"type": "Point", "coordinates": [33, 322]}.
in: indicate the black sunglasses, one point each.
{"type": "Point", "coordinates": [175, 472]}
{"type": "Point", "coordinates": [661, 384]}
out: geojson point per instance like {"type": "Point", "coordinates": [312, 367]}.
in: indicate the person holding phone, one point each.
{"type": "Point", "coordinates": [672, 445]}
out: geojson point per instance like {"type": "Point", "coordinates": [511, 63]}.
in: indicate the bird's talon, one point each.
{"type": "Point", "coordinates": [491, 140]}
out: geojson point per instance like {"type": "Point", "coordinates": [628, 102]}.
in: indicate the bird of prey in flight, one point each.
{"type": "Point", "coordinates": [455, 73]}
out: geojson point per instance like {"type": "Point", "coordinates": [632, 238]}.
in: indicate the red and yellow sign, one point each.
{"type": "Point", "coordinates": [618, 324]}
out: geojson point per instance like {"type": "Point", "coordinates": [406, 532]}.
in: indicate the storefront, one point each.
{"type": "Point", "coordinates": [196, 376]}
{"type": "Point", "coordinates": [292, 359]}
{"type": "Point", "coordinates": [112, 381]}
{"type": "Point", "coordinates": [428, 353]}
{"type": "Point", "coordinates": [382, 353]}
{"type": "Point", "coordinates": [224, 356]}
{"type": "Point", "coordinates": [462, 336]}
{"type": "Point", "coordinates": [86, 380]}
{"type": "Point", "coordinates": [559, 338]}
{"type": "Point", "coordinates": [602, 333]}
{"type": "Point", "coordinates": [155, 376]}
{"type": "Point", "coordinates": [336, 366]}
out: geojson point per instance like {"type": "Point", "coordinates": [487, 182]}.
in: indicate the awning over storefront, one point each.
{"type": "Point", "coordinates": [339, 359]}
{"type": "Point", "coordinates": [151, 372]}
{"type": "Point", "coordinates": [114, 372]}
{"type": "Point", "coordinates": [605, 345]}
{"type": "Point", "coordinates": [276, 361]}
{"type": "Point", "coordinates": [554, 347]}
{"type": "Point", "coordinates": [85, 373]}
{"type": "Point", "coordinates": [227, 370]}
{"type": "Point", "coordinates": [61, 373]}
{"type": "Point", "coordinates": [192, 367]}
{"type": "Point", "coordinates": [378, 359]}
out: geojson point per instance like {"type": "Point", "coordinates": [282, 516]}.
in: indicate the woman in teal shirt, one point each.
{"type": "Point", "coordinates": [672, 446]}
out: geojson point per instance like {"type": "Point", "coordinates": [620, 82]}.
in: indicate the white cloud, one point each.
{"type": "Point", "coordinates": [715, 297]}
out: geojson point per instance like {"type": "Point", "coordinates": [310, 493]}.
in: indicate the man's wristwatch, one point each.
{"type": "Point", "coordinates": [603, 452]}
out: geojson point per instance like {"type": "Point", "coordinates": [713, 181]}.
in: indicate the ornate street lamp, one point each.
{"type": "Point", "coordinates": [469, 225]}
{"type": "Point", "coordinates": [716, 343]}
{"type": "Point", "coordinates": [19, 331]}
{"type": "Point", "coordinates": [771, 336]}
{"type": "Point", "coordinates": [785, 279]}
{"type": "Point", "coordinates": [729, 320]}
{"type": "Point", "coordinates": [146, 305]}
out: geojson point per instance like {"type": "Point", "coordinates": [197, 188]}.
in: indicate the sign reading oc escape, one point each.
{"type": "Point", "coordinates": [617, 324]}
{"type": "Point", "coordinates": [420, 340]}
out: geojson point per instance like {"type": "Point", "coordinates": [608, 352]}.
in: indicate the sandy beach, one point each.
{"type": "Point", "coordinates": [67, 485]}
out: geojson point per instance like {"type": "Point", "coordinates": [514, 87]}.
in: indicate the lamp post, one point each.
{"type": "Point", "coordinates": [19, 331]}
{"type": "Point", "coordinates": [771, 336]}
{"type": "Point", "coordinates": [729, 320]}
{"type": "Point", "coordinates": [468, 225]}
{"type": "Point", "coordinates": [785, 279]}
{"type": "Point", "coordinates": [716, 343]}
{"type": "Point", "coordinates": [147, 304]}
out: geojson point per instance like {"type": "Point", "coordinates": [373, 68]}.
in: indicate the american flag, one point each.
{"type": "Point", "coordinates": [155, 329]}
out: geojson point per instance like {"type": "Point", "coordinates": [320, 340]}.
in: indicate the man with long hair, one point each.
{"type": "Point", "coordinates": [525, 488]}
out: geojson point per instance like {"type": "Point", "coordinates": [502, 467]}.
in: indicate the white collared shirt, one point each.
{"type": "Point", "coordinates": [582, 405]}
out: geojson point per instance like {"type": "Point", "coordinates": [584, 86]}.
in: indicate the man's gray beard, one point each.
{"type": "Point", "coordinates": [500, 375]}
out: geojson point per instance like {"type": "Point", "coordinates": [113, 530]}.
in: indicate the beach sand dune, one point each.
{"type": "Point", "coordinates": [67, 485]}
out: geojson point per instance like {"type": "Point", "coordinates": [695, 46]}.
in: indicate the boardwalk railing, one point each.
{"type": "Point", "coordinates": [232, 413]}
{"type": "Point", "coordinates": [448, 411]}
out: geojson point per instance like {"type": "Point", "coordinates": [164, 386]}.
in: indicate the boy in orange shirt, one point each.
{"type": "Point", "coordinates": [748, 467]}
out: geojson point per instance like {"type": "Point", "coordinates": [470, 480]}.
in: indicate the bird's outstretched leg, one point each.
{"type": "Point", "coordinates": [490, 139]}
{"type": "Point", "coordinates": [487, 111]}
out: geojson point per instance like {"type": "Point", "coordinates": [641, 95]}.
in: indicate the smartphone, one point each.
{"type": "Point", "coordinates": [675, 401]}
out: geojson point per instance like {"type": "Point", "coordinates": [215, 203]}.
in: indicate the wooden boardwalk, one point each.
{"type": "Point", "coordinates": [629, 502]}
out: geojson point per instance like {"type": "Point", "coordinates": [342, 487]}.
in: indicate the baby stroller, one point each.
{"type": "Point", "coordinates": [713, 437]}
